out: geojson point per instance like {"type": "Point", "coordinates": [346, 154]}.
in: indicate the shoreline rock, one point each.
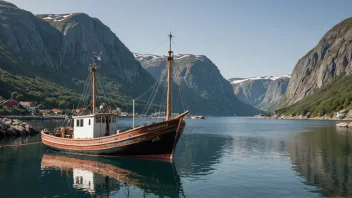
{"type": "Point", "coordinates": [9, 127]}
{"type": "Point", "coordinates": [300, 117]}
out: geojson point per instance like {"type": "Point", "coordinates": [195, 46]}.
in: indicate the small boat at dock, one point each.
{"type": "Point", "coordinates": [198, 117]}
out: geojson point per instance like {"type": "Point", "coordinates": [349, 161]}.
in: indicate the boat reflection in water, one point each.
{"type": "Point", "coordinates": [324, 158]}
{"type": "Point", "coordinates": [107, 176]}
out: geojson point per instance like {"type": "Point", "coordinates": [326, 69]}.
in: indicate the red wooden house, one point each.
{"type": "Point", "coordinates": [56, 111]}
{"type": "Point", "coordinates": [10, 104]}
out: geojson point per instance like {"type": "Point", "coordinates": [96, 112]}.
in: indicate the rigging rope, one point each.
{"type": "Point", "coordinates": [146, 91]}
{"type": "Point", "coordinates": [101, 84]}
{"type": "Point", "coordinates": [155, 93]}
{"type": "Point", "coordinates": [157, 47]}
{"type": "Point", "coordinates": [163, 101]}
{"type": "Point", "coordinates": [183, 100]}
{"type": "Point", "coordinates": [156, 86]}
{"type": "Point", "coordinates": [112, 101]}
{"type": "Point", "coordinates": [173, 41]}
{"type": "Point", "coordinates": [85, 89]}
{"type": "Point", "coordinates": [151, 98]}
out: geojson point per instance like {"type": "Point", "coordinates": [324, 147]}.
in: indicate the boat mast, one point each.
{"type": "Point", "coordinates": [169, 80]}
{"type": "Point", "coordinates": [93, 69]}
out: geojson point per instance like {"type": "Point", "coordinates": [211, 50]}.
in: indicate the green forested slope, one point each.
{"type": "Point", "coordinates": [331, 97]}
{"type": "Point", "coordinates": [40, 90]}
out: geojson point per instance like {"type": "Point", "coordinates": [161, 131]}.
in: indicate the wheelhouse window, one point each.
{"type": "Point", "coordinates": [89, 122]}
{"type": "Point", "coordinates": [77, 123]}
{"type": "Point", "coordinates": [81, 123]}
{"type": "Point", "coordinates": [98, 120]}
{"type": "Point", "coordinates": [109, 119]}
{"type": "Point", "coordinates": [103, 119]}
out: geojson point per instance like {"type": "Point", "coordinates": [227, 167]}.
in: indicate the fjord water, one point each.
{"type": "Point", "coordinates": [216, 157]}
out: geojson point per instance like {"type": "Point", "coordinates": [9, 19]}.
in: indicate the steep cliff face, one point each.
{"type": "Point", "coordinates": [59, 47]}
{"type": "Point", "coordinates": [261, 92]}
{"type": "Point", "coordinates": [152, 63]}
{"type": "Point", "coordinates": [274, 93]}
{"type": "Point", "coordinates": [83, 35]}
{"type": "Point", "coordinates": [251, 90]}
{"type": "Point", "coordinates": [331, 57]}
{"type": "Point", "coordinates": [22, 37]}
{"type": "Point", "coordinates": [207, 92]}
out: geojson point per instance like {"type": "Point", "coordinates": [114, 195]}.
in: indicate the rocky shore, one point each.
{"type": "Point", "coordinates": [31, 117]}
{"type": "Point", "coordinates": [10, 127]}
{"type": "Point", "coordinates": [283, 117]}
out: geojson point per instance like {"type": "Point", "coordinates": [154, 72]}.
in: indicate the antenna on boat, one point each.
{"type": "Point", "coordinates": [169, 61]}
{"type": "Point", "coordinates": [93, 68]}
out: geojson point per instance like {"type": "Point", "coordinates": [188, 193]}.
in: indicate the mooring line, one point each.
{"type": "Point", "coordinates": [14, 145]}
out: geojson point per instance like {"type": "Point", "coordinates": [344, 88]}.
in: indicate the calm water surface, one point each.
{"type": "Point", "coordinates": [216, 157]}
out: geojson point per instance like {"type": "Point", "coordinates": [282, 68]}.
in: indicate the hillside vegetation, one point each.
{"type": "Point", "coordinates": [332, 97]}
{"type": "Point", "coordinates": [52, 95]}
{"type": "Point", "coordinates": [330, 58]}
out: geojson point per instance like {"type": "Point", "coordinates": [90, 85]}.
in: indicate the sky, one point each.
{"type": "Point", "coordinates": [243, 38]}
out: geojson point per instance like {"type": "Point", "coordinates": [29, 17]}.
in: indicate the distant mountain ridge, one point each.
{"type": "Point", "coordinates": [206, 89]}
{"type": "Point", "coordinates": [58, 48]}
{"type": "Point", "coordinates": [261, 92]}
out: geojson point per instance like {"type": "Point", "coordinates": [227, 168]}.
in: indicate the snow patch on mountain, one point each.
{"type": "Point", "coordinates": [152, 57]}
{"type": "Point", "coordinates": [147, 57]}
{"type": "Point", "coordinates": [56, 17]}
{"type": "Point", "coordinates": [272, 78]}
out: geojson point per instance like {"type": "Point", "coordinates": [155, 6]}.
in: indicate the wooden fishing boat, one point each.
{"type": "Point", "coordinates": [96, 132]}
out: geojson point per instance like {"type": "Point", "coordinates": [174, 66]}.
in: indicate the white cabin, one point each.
{"type": "Point", "coordinates": [87, 180]}
{"type": "Point", "coordinates": [94, 125]}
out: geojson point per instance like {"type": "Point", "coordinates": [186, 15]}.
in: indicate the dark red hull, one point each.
{"type": "Point", "coordinates": [157, 141]}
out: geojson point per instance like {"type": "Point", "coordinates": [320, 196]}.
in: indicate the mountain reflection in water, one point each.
{"type": "Point", "coordinates": [106, 176]}
{"type": "Point", "coordinates": [324, 158]}
{"type": "Point", "coordinates": [198, 153]}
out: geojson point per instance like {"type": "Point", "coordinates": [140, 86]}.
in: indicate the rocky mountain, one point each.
{"type": "Point", "coordinates": [330, 58]}
{"type": "Point", "coordinates": [251, 90]}
{"type": "Point", "coordinates": [59, 47]}
{"type": "Point", "coordinates": [261, 92]}
{"type": "Point", "coordinates": [206, 91]}
{"type": "Point", "coordinates": [274, 93]}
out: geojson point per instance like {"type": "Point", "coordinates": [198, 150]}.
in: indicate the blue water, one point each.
{"type": "Point", "coordinates": [216, 157]}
